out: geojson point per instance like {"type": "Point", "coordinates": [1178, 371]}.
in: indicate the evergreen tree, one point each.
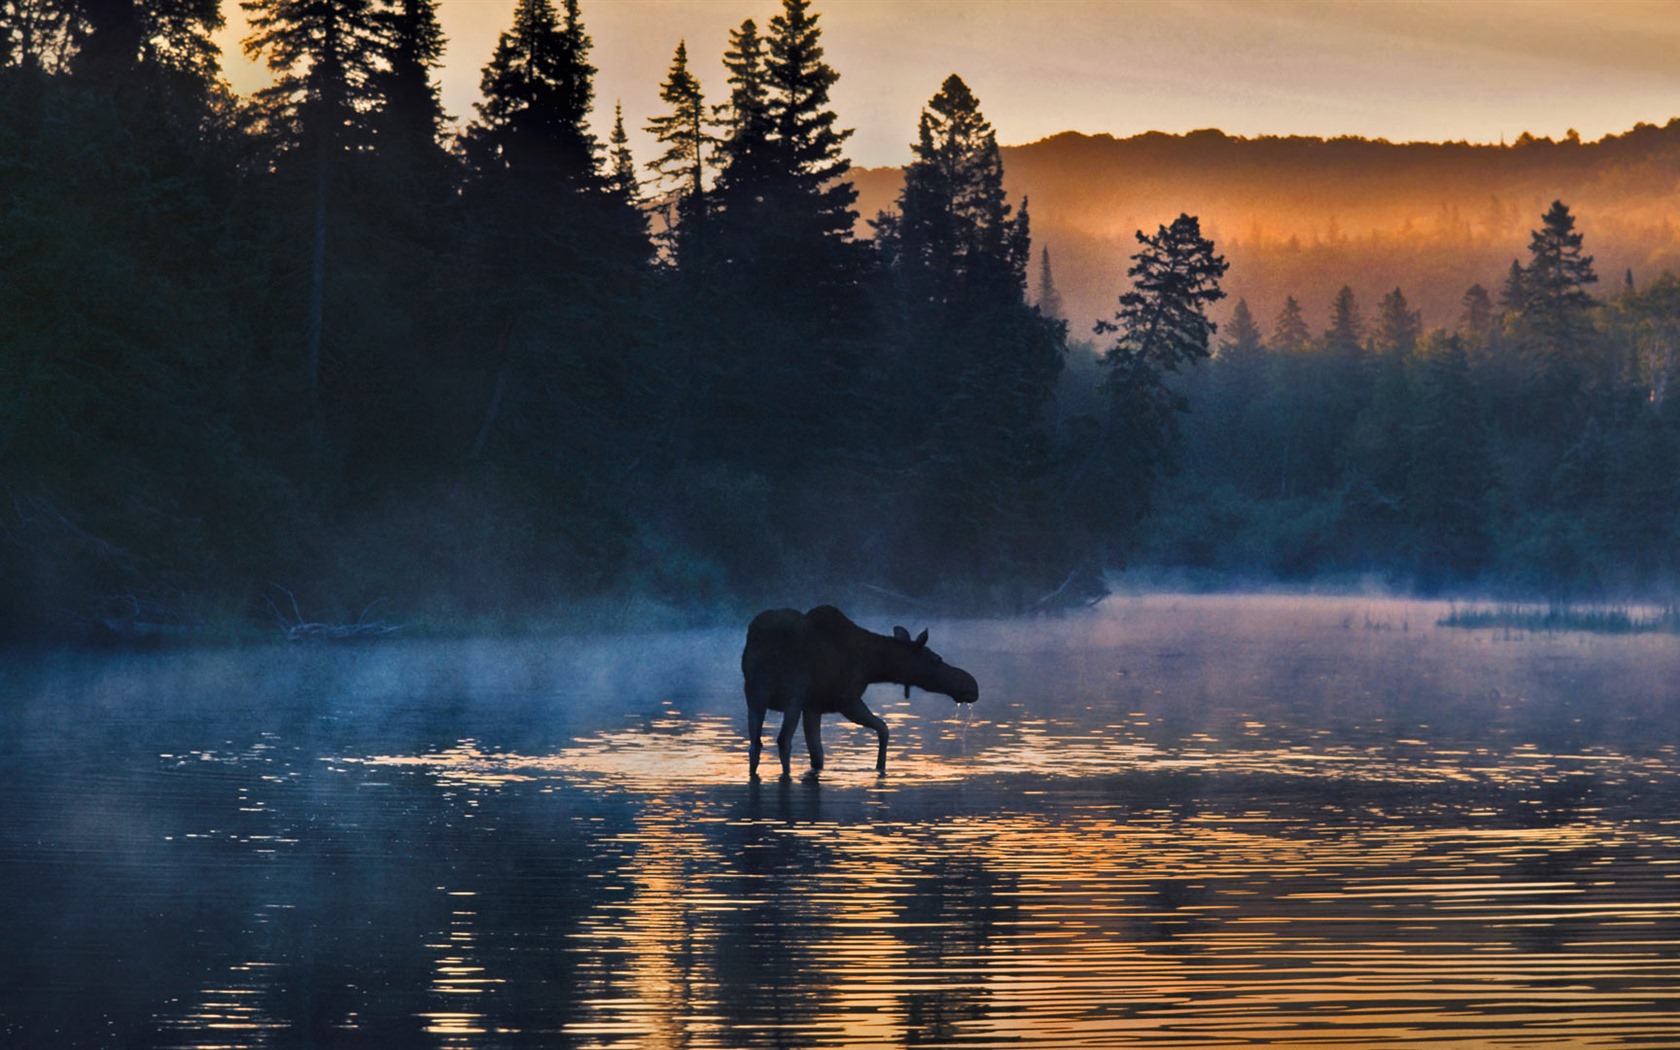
{"type": "Point", "coordinates": [1398, 326]}
{"type": "Point", "coordinates": [621, 172]}
{"type": "Point", "coordinates": [777, 296]}
{"type": "Point", "coordinates": [1161, 326]}
{"type": "Point", "coordinates": [325, 56]}
{"type": "Point", "coordinates": [409, 115]}
{"type": "Point", "coordinates": [747, 167]}
{"type": "Point", "coordinates": [1475, 324]}
{"type": "Point", "coordinates": [1450, 474]}
{"type": "Point", "coordinates": [533, 120]}
{"type": "Point", "coordinates": [1049, 299]}
{"type": "Point", "coordinates": [1290, 334]}
{"type": "Point", "coordinates": [1555, 326]}
{"type": "Point", "coordinates": [1555, 289]}
{"type": "Point", "coordinates": [1513, 294]}
{"type": "Point", "coordinates": [1344, 339]}
{"type": "Point", "coordinates": [1242, 338]}
{"type": "Point", "coordinates": [682, 132]}
{"type": "Point", "coordinates": [971, 346]}
{"type": "Point", "coordinates": [811, 167]}
{"type": "Point", "coordinates": [112, 39]}
{"type": "Point", "coordinates": [1235, 400]}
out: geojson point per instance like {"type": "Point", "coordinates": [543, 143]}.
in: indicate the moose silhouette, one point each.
{"type": "Point", "coordinates": [815, 663]}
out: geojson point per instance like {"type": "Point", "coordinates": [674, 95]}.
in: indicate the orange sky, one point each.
{"type": "Point", "coordinates": [1481, 70]}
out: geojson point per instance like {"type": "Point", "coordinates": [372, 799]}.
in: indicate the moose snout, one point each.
{"type": "Point", "coordinates": [967, 689]}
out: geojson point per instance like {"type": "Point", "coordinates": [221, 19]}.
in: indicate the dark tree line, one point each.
{"type": "Point", "coordinates": [1529, 444]}
{"type": "Point", "coordinates": [310, 347]}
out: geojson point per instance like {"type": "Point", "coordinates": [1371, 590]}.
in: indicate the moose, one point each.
{"type": "Point", "coordinates": [809, 664]}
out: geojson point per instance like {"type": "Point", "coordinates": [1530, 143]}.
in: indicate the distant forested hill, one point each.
{"type": "Point", "coordinates": [1304, 216]}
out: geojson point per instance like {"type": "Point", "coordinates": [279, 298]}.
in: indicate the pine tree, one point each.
{"type": "Point", "coordinates": [811, 166]}
{"type": "Point", "coordinates": [1225, 436]}
{"type": "Point", "coordinates": [1398, 326]}
{"type": "Point", "coordinates": [533, 120]}
{"type": "Point", "coordinates": [953, 237]}
{"type": "Point", "coordinates": [1290, 334]}
{"type": "Point", "coordinates": [410, 116]}
{"type": "Point", "coordinates": [1243, 341]}
{"type": "Point", "coordinates": [315, 111]}
{"type": "Point", "coordinates": [1449, 475]}
{"type": "Point", "coordinates": [1344, 339]}
{"type": "Point", "coordinates": [1555, 325]}
{"type": "Point", "coordinates": [1162, 321]}
{"type": "Point", "coordinates": [110, 39]}
{"type": "Point", "coordinates": [1555, 289]}
{"type": "Point", "coordinates": [1513, 294]}
{"type": "Point", "coordinates": [1049, 298]}
{"type": "Point", "coordinates": [682, 131]}
{"type": "Point", "coordinates": [1161, 326]}
{"type": "Point", "coordinates": [972, 349]}
{"type": "Point", "coordinates": [747, 166]}
{"type": "Point", "coordinates": [324, 54]}
{"type": "Point", "coordinates": [1475, 324]}
{"type": "Point", "coordinates": [621, 172]}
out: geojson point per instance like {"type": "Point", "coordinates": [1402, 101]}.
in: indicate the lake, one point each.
{"type": "Point", "coordinates": [1169, 822]}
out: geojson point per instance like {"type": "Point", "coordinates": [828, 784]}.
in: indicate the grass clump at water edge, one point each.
{"type": "Point", "coordinates": [1563, 616]}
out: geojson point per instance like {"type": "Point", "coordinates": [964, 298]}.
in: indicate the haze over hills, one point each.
{"type": "Point", "coordinates": [1304, 216]}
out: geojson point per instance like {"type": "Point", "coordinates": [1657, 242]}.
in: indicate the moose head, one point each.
{"type": "Point", "coordinates": [924, 669]}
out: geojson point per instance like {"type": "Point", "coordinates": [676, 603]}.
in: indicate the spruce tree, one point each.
{"type": "Point", "coordinates": [1345, 337]}
{"type": "Point", "coordinates": [953, 233]}
{"type": "Point", "coordinates": [325, 56]}
{"type": "Point", "coordinates": [1290, 333]}
{"type": "Point", "coordinates": [808, 147]}
{"type": "Point", "coordinates": [111, 39]}
{"type": "Point", "coordinates": [621, 163]}
{"type": "Point", "coordinates": [682, 131]}
{"type": "Point", "coordinates": [1555, 289]}
{"type": "Point", "coordinates": [1554, 327]}
{"type": "Point", "coordinates": [533, 120]}
{"type": "Point", "coordinates": [1160, 327]}
{"type": "Point", "coordinates": [1513, 294]}
{"type": "Point", "coordinates": [980, 360]}
{"type": "Point", "coordinates": [1398, 326]}
{"type": "Point", "coordinates": [1450, 473]}
{"type": "Point", "coordinates": [1049, 299]}
{"type": "Point", "coordinates": [409, 116]}
{"type": "Point", "coordinates": [747, 166]}
{"type": "Point", "coordinates": [1475, 324]}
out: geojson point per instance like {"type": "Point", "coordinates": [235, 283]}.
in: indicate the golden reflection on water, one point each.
{"type": "Point", "coordinates": [970, 899]}
{"type": "Point", "coordinates": [1187, 854]}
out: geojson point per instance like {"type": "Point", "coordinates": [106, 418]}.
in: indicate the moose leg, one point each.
{"type": "Point", "coordinates": [813, 740]}
{"type": "Point", "coordinates": [859, 712]}
{"type": "Point", "coordinates": [784, 739]}
{"type": "Point", "coordinates": [755, 728]}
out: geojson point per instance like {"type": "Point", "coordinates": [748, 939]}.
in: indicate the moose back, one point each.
{"type": "Point", "coordinates": [815, 663]}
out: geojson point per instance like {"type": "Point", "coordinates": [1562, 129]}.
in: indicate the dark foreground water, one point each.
{"type": "Point", "coordinates": [1172, 823]}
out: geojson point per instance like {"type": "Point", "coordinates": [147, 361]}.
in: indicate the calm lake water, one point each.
{"type": "Point", "coordinates": [1169, 823]}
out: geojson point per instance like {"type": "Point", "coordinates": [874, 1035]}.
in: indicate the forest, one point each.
{"type": "Point", "coordinates": [320, 357]}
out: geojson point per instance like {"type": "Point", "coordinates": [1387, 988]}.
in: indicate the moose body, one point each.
{"type": "Point", "coordinates": [815, 663]}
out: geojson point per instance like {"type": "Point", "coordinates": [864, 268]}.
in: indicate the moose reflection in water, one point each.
{"type": "Point", "coordinates": [820, 662]}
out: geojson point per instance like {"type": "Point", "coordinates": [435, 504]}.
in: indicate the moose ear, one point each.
{"type": "Point", "coordinates": [901, 634]}
{"type": "Point", "coordinates": [921, 639]}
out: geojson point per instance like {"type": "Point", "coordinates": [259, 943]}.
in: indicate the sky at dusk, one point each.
{"type": "Point", "coordinates": [1406, 71]}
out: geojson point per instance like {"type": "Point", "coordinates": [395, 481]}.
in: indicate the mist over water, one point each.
{"type": "Point", "coordinates": [1169, 822]}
